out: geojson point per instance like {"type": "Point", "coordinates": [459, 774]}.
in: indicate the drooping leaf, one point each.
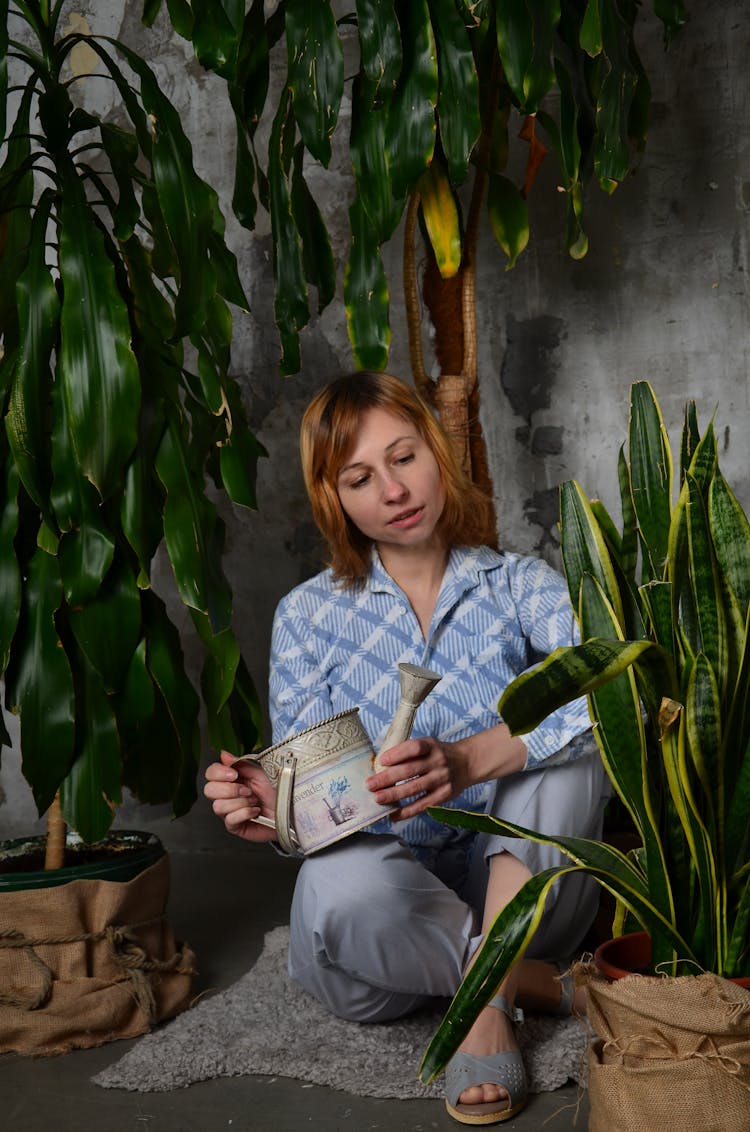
{"type": "Point", "coordinates": [367, 145]}
{"type": "Point", "coordinates": [441, 218]}
{"type": "Point", "coordinates": [611, 148]}
{"type": "Point", "coordinates": [108, 628]}
{"type": "Point", "coordinates": [317, 256]}
{"type": "Point", "coordinates": [239, 453]}
{"type": "Point", "coordinates": [39, 684]}
{"type": "Point", "coordinates": [96, 364]}
{"type": "Point", "coordinates": [525, 35]}
{"type": "Point", "coordinates": [291, 303]}
{"type": "Point", "coordinates": [509, 217]}
{"type": "Point", "coordinates": [10, 573]}
{"type": "Point", "coordinates": [366, 295]}
{"type": "Point", "coordinates": [315, 66]}
{"type": "Point", "coordinates": [458, 88]}
{"type": "Point", "coordinates": [380, 43]}
{"type": "Point", "coordinates": [215, 37]}
{"type": "Point", "coordinates": [411, 121]}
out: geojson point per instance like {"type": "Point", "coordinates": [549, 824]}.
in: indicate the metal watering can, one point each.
{"type": "Point", "coordinates": [320, 772]}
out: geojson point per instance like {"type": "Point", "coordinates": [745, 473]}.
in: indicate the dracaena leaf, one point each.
{"type": "Point", "coordinates": [315, 63]}
{"type": "Point", "coordinates": [509, 217]}
{"type": "Point", "coordinates": [366, 294]}
{"type": "Point", "coordinates": [411, 120]}
{"type": "Point", "coordinates": [458, 88]}
{"type": "Point", "coordinates": [380, 43]}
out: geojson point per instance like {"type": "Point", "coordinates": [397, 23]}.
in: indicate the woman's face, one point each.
{"type": "Point", "coordinates": [390, 485]}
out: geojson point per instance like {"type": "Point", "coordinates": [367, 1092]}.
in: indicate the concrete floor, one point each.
{"type": "Point", "coordinates": [222, 902]}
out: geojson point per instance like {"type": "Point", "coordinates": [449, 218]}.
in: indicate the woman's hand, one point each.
{"type": "Point", "coordinates": [434, 771]}
{"type": "Point", "coordinates": [239, 793]}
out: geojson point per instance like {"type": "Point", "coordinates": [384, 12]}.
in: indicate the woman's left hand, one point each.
{"type": "Point", "coordinates": [434, 771]}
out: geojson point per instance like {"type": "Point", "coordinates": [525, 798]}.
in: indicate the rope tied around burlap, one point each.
{"type": "Point", "coordinates": [635, 1045]}
{"type": "Point", "coordinates": [124, 949]}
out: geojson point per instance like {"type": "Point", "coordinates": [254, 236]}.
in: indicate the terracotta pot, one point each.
{"type": "Point", "coordinates": [631, 955]}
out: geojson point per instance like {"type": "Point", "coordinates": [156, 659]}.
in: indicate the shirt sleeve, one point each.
{"type": "Point", "coordinates": [298, 689]}
{"type": "Point", "coordinates": [546, 620]}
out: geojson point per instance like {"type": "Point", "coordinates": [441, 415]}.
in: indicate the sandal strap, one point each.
{"type": "Point", "coordinates": [504, 1069]}
{"type": "Point", "coordinates": [515, 1013]}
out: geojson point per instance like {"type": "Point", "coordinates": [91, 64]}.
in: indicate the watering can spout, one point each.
{"type": "Point", "coordinates": [416, 685]}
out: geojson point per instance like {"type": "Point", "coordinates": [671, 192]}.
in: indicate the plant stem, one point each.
{"type": "Point", "coordinates": [54, 857]}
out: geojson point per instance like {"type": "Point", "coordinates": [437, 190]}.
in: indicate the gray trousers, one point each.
{"type": "Point", "coordinates": [375, 934]}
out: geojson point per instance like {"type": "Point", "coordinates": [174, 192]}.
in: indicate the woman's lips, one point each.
{"type": "Point", "coordinates": [406, 518]}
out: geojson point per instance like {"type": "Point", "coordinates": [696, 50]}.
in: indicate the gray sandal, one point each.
{"type": "Point", "coordinates": [504, 1069]}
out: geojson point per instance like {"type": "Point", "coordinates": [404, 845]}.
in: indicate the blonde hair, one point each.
{"type": "Point", "coordinates": [329, 430]}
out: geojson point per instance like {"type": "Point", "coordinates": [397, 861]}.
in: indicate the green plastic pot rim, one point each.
{"type": "Point", "coordinates": [137, 851]}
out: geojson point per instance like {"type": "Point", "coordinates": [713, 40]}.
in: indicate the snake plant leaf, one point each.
{"type": "Point", "coordinates": [458, 88]}
{"type": "Point", "coordinates": [411, 120]}
{"type": "Point", "coordinates": [92, 789]}
{"type": "Point", "coordinates": [650, 475]}
{"type": "Point", "coordinates": [108, 629]}
{"type": "Point", "coordinates": [690, 438]}
{"type": "Point", "coordinates": [317, 256]}
{"type": "Point", "coordinates": [10, 573]}
{"type": "Point", "coordinates": [611, 868]}
{"type": "Point", "coordinates": [291, 302]}
{"type": "Point", "coordinates": [730, 532]}
{"type": "Point", "coordinates": [736, 828]}
{"type": "Point", "coordinates": [584, 548]}
{"type": "Point", "coordinates": [509, 217]}
{"type": "Point", "coordinates": [565, 675]}
{"type": "Point", "coordinates": [505, 943]}
{"type": "Point", "coordinates": [440, 214]}
{"type": "Point", "coordinates": [611, 148]}
{"type": "Point", "coordinates": [366, 294]}
{"type": "Point", "coordinates": [193, 531]}
{"type": "Point", "coordinates": [3, 65]}
{"type": "Point", "coordinates": [39, 683]}
{"type": "Point", "coordinates": [367, 145]}
{"type": "Point", "coordinates": [703, 716]}
{"type": "Point", "coordinates": [315, 67]}
{"type": "Point", "coordinates": [239, 453]}
{"type": "Point", "coordinates": [97, 367]}
{"type": "Point", "coordinates": [525, 36]}
{"type": "Point", "coordinates": [702, 569]}
{"type": "Point", "coordinates": [215, 37]}
{"type": "Point", "coordinates": [166, 666]}
{"type": "Point", "coordinates": [736, 960]}
{"type": "Point", "coordinates": [380, 43]}
{"type": "Point", "coordinates": [26, 421]}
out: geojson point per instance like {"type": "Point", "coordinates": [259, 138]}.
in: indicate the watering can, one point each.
{"type": "Point", "coordinates": [320, 773]}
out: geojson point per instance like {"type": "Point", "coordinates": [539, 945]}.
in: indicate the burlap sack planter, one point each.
{"type": "Point", "coordinates": [670, 1053]}
{"type": "Point", "coordinates": [88, 961]}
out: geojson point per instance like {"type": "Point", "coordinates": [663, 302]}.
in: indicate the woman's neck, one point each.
{"type": "Point", "coordinates": [420, 575]}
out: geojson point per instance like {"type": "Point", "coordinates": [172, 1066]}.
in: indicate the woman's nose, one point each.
{"type": "Point", "coordinates": [393, 488]}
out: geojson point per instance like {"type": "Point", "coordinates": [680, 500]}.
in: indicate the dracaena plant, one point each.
{"type": "Point", "coordinates": [438, 90]}
{"type": "Point", "coordinates": [117, 408]}
{"type": "Point", "coordinates": [664, 610]}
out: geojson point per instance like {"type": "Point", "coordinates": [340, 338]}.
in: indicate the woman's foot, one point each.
{"type": "Point", "coordinates": [486, 1080]}
{"type": "Point", "coordinates": [547, 988]}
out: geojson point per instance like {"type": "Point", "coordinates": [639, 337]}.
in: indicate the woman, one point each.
{"type": "Point", "coordinates": [387, 919]}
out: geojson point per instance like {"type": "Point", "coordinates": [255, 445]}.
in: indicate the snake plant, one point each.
{"type": "Point", "coordinates": [663, 605]}
{"type": "Point", "coordinates": [117, 406]}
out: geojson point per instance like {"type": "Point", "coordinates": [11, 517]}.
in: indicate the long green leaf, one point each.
{"type": "Point", "coordinates": [366, 295]}
{"type": "Point", "coordinates": [730, 533]}
{"type": "Point", "coordinates": [411, 123]}
{"type": "Point", "coordinates": [565, 675]}
{"type": "Point", "coordinates": [27, 418]}
{"type": "Point", "coordinates": [315, 65]}
{"type": "Point", "coordinates": [215, 37]}
{"type": "Point", "coordinates": [317, 256]}
{"type": "Point", "coordinates": [706, 593]}
{"type": "Point", "coordinates": [96, 364]}
{"type": "Point", "coordinates": [584, 548]}
{"type": "Point", "coordinates": [39, 684]}
{"type": "Point", "coordinates": [92, 789]}
{"type": "Point", "coordinates": [291, 303]}
{"type": "Point", "coordinates": [367, 145]}
{"type": "Point", "coordinates": [379, 43]}
{"type": "Point", "coordinates": [239, 453]}
{"type": "Point", "coordinates": [509, 217]}
{"type": "Point", "coordinates": [193, 531]}
{"type": "Point", "coordinates": [458, 88]}
{"type": "Point", "coordinates": [650, 475]}
{"type": "Point", "coordinates": [525, 35]}
{"type": "Point", "coordinates": [107, 629]}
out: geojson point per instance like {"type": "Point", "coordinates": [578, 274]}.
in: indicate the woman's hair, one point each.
{"type": "Point", "coordinates": [328, 433]}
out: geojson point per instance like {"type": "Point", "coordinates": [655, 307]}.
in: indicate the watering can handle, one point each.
{"type": "Point", "coordinates": [284, 789]}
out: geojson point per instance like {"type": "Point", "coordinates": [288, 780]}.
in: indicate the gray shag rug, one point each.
{"type": "Point", "coordinates": [266, 1024]}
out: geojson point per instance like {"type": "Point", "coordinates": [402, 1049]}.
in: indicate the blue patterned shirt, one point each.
{"type": "Point", "coordinates": [496, 615]}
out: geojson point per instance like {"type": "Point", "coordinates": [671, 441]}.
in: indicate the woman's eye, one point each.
{"type": "Point", "coordinates": [405, 459]}
{"type": "Point", "coordinates": [360, 482]}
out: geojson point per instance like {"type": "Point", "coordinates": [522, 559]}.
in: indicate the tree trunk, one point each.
{"type": "Point", "coordinates": [54, 857]}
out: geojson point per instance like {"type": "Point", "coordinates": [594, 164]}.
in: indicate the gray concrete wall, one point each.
{"type": "Point", "coordinates": [662, 295]}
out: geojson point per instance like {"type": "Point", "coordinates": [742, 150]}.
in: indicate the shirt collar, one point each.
{"type": "Point", "coordinates": [466, 564]}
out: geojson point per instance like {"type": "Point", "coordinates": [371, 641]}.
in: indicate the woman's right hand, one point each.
{"type": "Point", "coordinates": [240, 792]}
